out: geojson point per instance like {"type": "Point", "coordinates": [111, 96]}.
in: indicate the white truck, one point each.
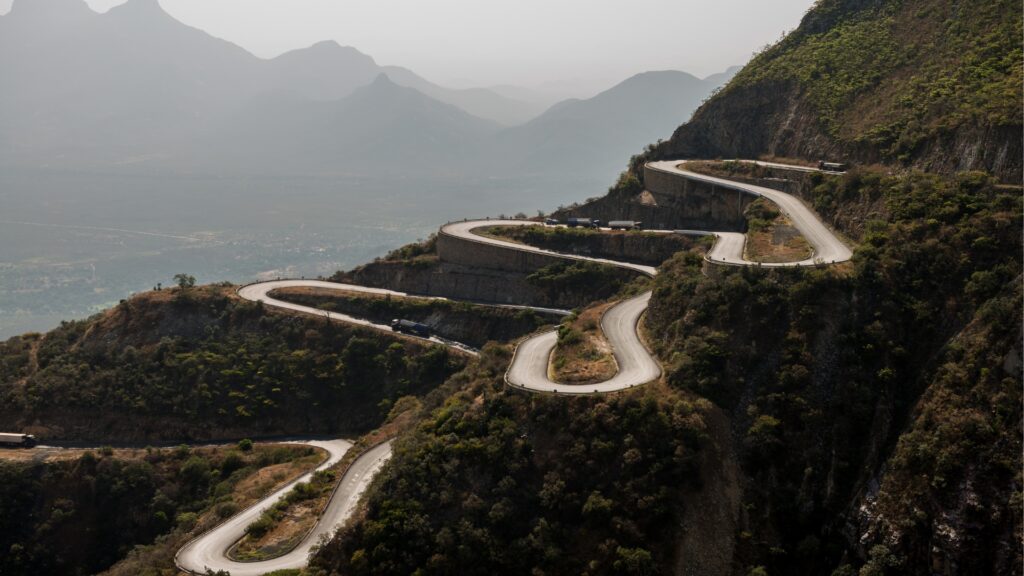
{"type": "Point", "coordinates": [17, 440]}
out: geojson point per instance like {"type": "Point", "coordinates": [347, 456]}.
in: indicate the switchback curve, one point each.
{"type": "Point", "coordinates": [209, 551]}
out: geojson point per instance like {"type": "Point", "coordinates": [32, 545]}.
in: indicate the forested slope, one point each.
{"type": "Point", "coordinates": [901, 370]}
{"type": "Point", "coordinates": [932, 84]}
{"type": "Point", "coordinates": [202, 363]}
{"type": "Point", "coordinates": [81, 513]}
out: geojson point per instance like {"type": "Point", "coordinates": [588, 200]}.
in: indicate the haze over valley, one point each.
{"type": "Point", "coordinates": [134, 147]}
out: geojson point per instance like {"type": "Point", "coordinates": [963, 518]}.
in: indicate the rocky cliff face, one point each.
{"type": "Point", "coordinates": [927, 84]}
{"type": "Point", "coordinates": [457, 282]}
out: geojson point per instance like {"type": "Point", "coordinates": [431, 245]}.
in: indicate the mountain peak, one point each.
{"type": "Point", "coordinates": [141, 9]}
{"type": "Point", "coordinates": [383, 81]}
{"type": "Point", "coordinates": [331, 46]}
{"type": "Point", "coordinates": [381, 90]}
{"type": "Point", "coordinates": [50, 8]}
{"type": "Point", "coordinates": [333, 49]}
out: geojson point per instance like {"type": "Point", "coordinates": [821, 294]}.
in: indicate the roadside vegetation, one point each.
{"type": "Point", "coordinates": [82, 515]}
{"type": "Point", "coordinates": [736, 170]}
{"type": "Point", "coordinates": [283, 526]}
{"type": "Point", "coordinates": [421, 253]}
{"type": "Point", "coordinates": [599, 281]}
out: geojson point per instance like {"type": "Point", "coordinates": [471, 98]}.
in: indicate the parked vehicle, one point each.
{"type": "Point", "coordinates": [625, 225]}
{"type": "Point", "coordinates": [551, 222]}
{"type": "Point", "coordinates": [832, 166]}
{"type": "Point", "coordinates": [410, 327]}
{"type": "Point", "coordinates": [17, 440]}
{"type": "Point", "coordinates": [583, 222]}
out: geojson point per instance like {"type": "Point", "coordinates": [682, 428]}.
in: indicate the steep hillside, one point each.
{"type": "Point", "coordinates": [933, 84]}
{"type": "Point", "coordinates": [205, 364]}
{"type": "Point", "coordinates": [499, 482]}
{"type": "Point", "coordinates": [81, 511]}
{"type": "Point", "coordinates": [901, 371]}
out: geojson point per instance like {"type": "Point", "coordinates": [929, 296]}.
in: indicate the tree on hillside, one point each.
{"type": "Point", "coordinates": [185, 281]}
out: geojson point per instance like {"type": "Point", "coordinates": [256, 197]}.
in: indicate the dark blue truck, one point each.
{"type": "Point", "coordinates": [584, 222]}
{"type": "Point", "coordinates": [410, 327]}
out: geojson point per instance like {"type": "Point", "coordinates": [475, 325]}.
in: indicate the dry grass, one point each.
{"type": "Point", "coordinates": [583, 355]}
{"type": "Point", "coordinates": [779, 242]}
{"type": "Point", "coordinates": [284, 293]}
{"type": "Point", "coordinates": [298, 519]}
{"type": "Point", "coordinates": [272, 477]}
{"type": "Point", "coordinates": [786, 160]}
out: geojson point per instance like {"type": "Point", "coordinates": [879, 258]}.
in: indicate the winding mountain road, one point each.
{"type": "Point", "coordinates": [828, 248]}
{"type": "Point", "coordinates": [210, 551]}
{"type": "Point", "coordinates": [527, 371]}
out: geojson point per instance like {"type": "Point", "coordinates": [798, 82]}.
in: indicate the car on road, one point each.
{"type": "Point", "coordinates": [551, 222]}
{"type": "Point", "coordinates": [17, 440]}
{"type": "Point", "coordinates": [583, 223]}
{"type": "Point", "coordinates": [410, 327]}
{"type": "Point", "coordinates": [625, 225]}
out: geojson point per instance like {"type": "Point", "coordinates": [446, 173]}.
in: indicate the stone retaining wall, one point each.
{"type": "Point", "coordinates": [671, 202]}
{"type": "Point", "coordinates": [698, 205]}
{"type": "Point", "coordinates": [475, 254]}
{"type": "Point", "coordinates": [459, 282]}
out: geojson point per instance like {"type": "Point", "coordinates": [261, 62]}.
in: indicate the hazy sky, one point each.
{"type": "Point", "coordinates": [526, 42]}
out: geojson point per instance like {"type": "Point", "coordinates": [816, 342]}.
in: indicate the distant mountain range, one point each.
{"type": "Point", "coordinates": [135, 89]}
{"type": "Point", "coordinates": [604, 131]}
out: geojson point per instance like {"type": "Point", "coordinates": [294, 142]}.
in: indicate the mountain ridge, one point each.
{"type": "Point", "coordinates": [571, 134]}
{"type": "Point", "coordinates": [926, 85]}
{"type": "Point", "coordinates": [134, 89]}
